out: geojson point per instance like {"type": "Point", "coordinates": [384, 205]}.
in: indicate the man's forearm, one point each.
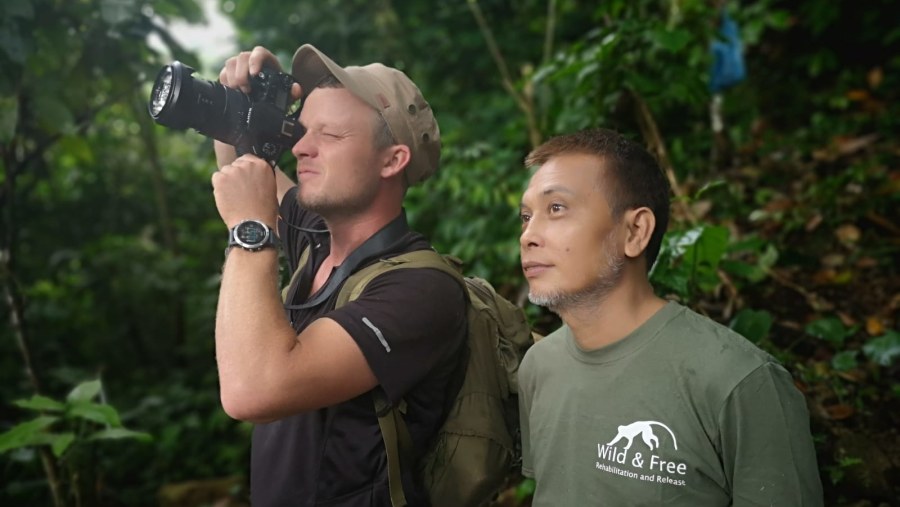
{"type": "Point", "coordinates": [225, 153]}
{"type": "Point", "coordinates": [252, 334]}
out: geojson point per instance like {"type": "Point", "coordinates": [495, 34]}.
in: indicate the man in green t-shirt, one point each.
{"type": "Point", "coordinates": [636, 400]}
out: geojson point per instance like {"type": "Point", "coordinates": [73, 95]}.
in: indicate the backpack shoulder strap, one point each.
{"type": "Point", "coordinates": [397, 445]}
{"type": "Point", "coordinates": [358, 281]}
{"type": "Point", "coordinates": [397, 440]}
{"type": "Point", "coordinates": [286, 291]}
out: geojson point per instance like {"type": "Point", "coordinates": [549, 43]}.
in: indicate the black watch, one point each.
{"type": "Point", "coordinates": [252, 235]}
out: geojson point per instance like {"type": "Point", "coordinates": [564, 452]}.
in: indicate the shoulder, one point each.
{"type": "Point", "coordinates": [397, 272]}
{"type": "Point", "coordinates": [705, 338]}
{"type": "Point", "coordinates": [713, 354]}
{"type": "Point", "coordinates": [417, 293]}
{"type": "Point", "coordinates": [410, 305]}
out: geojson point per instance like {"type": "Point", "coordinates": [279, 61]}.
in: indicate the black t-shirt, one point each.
{"type": "Point", "coordinates": [335, 455]}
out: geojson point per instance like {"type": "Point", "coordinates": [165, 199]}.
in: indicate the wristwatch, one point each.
{"type": "Point", "coordinates": [252, 235]}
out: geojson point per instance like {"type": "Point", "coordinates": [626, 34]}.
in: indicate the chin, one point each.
{"type": "Point", "coordinates": [546, 299]}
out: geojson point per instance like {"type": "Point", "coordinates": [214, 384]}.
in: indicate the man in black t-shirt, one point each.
{"type": "Point", "coordinates": [307, 376]}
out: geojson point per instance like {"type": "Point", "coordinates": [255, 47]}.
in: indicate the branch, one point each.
{"type": "Point", "coordinates": [157, 172]}
{"type": "Point", "coordinates": [11, 293]}
{"type": "Point", "coordinates": [814, 301]}
{"type": "Point", "coordinates": [525, 102]}
{"type": "Point", "coordinates": [651, 134]}
{"type": "Point", "coordinates": [14, 301]}
{"type": "Point", "coordinates": [551, 29]}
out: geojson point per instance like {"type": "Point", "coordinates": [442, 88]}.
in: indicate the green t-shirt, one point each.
{"type": "Point", "coordinates": [683, 411]}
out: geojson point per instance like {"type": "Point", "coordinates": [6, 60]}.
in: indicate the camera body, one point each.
{"type": "Point", "coordinates": [259, 123]}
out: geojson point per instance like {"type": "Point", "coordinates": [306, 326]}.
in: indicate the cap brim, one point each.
{"type": "Point", "coordinates": [310, 66]}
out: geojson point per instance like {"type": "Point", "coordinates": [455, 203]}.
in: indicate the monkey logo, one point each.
{"type": "Point", "coordinates": [630, 431]}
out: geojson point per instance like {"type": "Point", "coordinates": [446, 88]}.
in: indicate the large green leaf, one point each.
{"type": "Point", "coordinates": [884, 349]}
{"type": "Point", "coordinates": [844, 360]}
{"type": "Point", "coordinates": [830, 329]}
{"type": "Point", "coordinates": [85, 391]}
{"type": "Point", "coordinates": [752, 324]}
{"type": "Point", "coordinates": [41, 403]}
{"type": "Point", "coordinates": [27, 434]}
{"type": "Point", "coordinates": [60, 443]}
{"type": "Point", "coordinates": [690, 259]}
{"type": "Point", "coordinates": [120, 433]}
{"type": "Point", "coordinates": [95, 412]}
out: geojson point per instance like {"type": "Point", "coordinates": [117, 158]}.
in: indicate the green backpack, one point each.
{"type": "Point", "coordinates": [478, 446]}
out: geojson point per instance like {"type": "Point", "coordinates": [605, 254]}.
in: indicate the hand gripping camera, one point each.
{"type": "Point", "coordinates": [258, 123]}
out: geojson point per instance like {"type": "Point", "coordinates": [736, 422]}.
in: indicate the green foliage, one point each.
{"type": "Point", "coordinates": [830, 329]}
{"type": "Point", "coordinates": [884, 350]}
{"type": "Point", "coordinates": [752, 324]}
{"type": "Point", "coordinates": [749, 260]}
{"type": "Point", "coordinates": [844, 360]}
{"type": "Point", "coordinates": [837, 471]}
{"type": "Point", "coordinates": [100, 269]}
{"type": "Point", "coordinates": [68, 426]}
{"type": "Point", "coordinates": [688, 260]}
{"type": "Point", "coordinates": [477, 223]}
{"type": "Point", "coordinates": [71, 428]}
{"type": "Point", "coordinates": [110, 245]}
{"type": "Point", "coordinates": [525, 490]}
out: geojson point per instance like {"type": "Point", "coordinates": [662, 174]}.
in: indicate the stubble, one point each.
{"type": "Point", "coordinates": [558, 301]}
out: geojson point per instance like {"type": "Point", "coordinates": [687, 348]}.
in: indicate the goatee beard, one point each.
{"type": "Point", "coordinates": [332, 208]}
{"type": "Point", "coordinates": [559, 301]}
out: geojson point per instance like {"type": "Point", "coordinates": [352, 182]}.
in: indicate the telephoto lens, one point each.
{"type": "Point", "coordinates": [179, 101]}
{"type": "Point", "coordinates": [259, 123]}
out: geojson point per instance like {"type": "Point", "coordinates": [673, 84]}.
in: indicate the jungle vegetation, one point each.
{"type": "Point", "coordinates": [785, 223]}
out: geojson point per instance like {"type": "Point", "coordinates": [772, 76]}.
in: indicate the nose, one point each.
{"type": "Point", "coordinates": [530, 236]}
{"type": "Point", "coordinates": [304, 146]}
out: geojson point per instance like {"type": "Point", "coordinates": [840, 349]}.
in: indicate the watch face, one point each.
{"type": "Point", "coordinates": [251, 234]}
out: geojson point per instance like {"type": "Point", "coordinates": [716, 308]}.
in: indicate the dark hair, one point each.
{"type": "Point", "coordinates": [633, 175]}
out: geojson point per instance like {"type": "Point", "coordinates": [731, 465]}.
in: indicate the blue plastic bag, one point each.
{"type": "Point", "coordinates": [728, 56]}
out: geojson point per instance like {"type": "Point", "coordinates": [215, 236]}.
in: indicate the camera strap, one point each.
{"type": "Point", "coordinates": [374, 247]}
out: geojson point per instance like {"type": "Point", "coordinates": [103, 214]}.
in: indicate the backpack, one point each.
{"type": "Point", "coordinates": [478, 445]}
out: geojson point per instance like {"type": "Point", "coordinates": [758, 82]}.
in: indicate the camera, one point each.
{"type": "Point", "coordinates": [259, 123]}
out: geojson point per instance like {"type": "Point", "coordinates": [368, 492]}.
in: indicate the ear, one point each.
{"type": "Point", "coordinates": [394, 160]}
{"type": "Point", "coordinates": [640, 223]}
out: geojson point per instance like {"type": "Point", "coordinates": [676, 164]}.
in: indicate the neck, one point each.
{"type": "Point", "coordinates": [603, 322]}
{"type": "Point", "coordinates": [347, 234]}
{"type": "Point", "coordinates": [349, 231]}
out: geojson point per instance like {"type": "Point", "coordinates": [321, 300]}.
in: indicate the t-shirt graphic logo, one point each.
{"type": "Point", "coordinates": [645, 428]}
{"type": "Point", "coordinates": [653, 466]}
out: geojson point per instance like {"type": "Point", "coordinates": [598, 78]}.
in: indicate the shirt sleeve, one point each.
{"type": "Point", "coordinates": [767, 449]}
{"type": "Point", "coordinates": [407, 323]}
{"type": "Point", "coordinates": [525, 393]}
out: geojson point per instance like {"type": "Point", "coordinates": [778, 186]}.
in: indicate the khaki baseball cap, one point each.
{"type": "Point", "coordinates": [392, 94]}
